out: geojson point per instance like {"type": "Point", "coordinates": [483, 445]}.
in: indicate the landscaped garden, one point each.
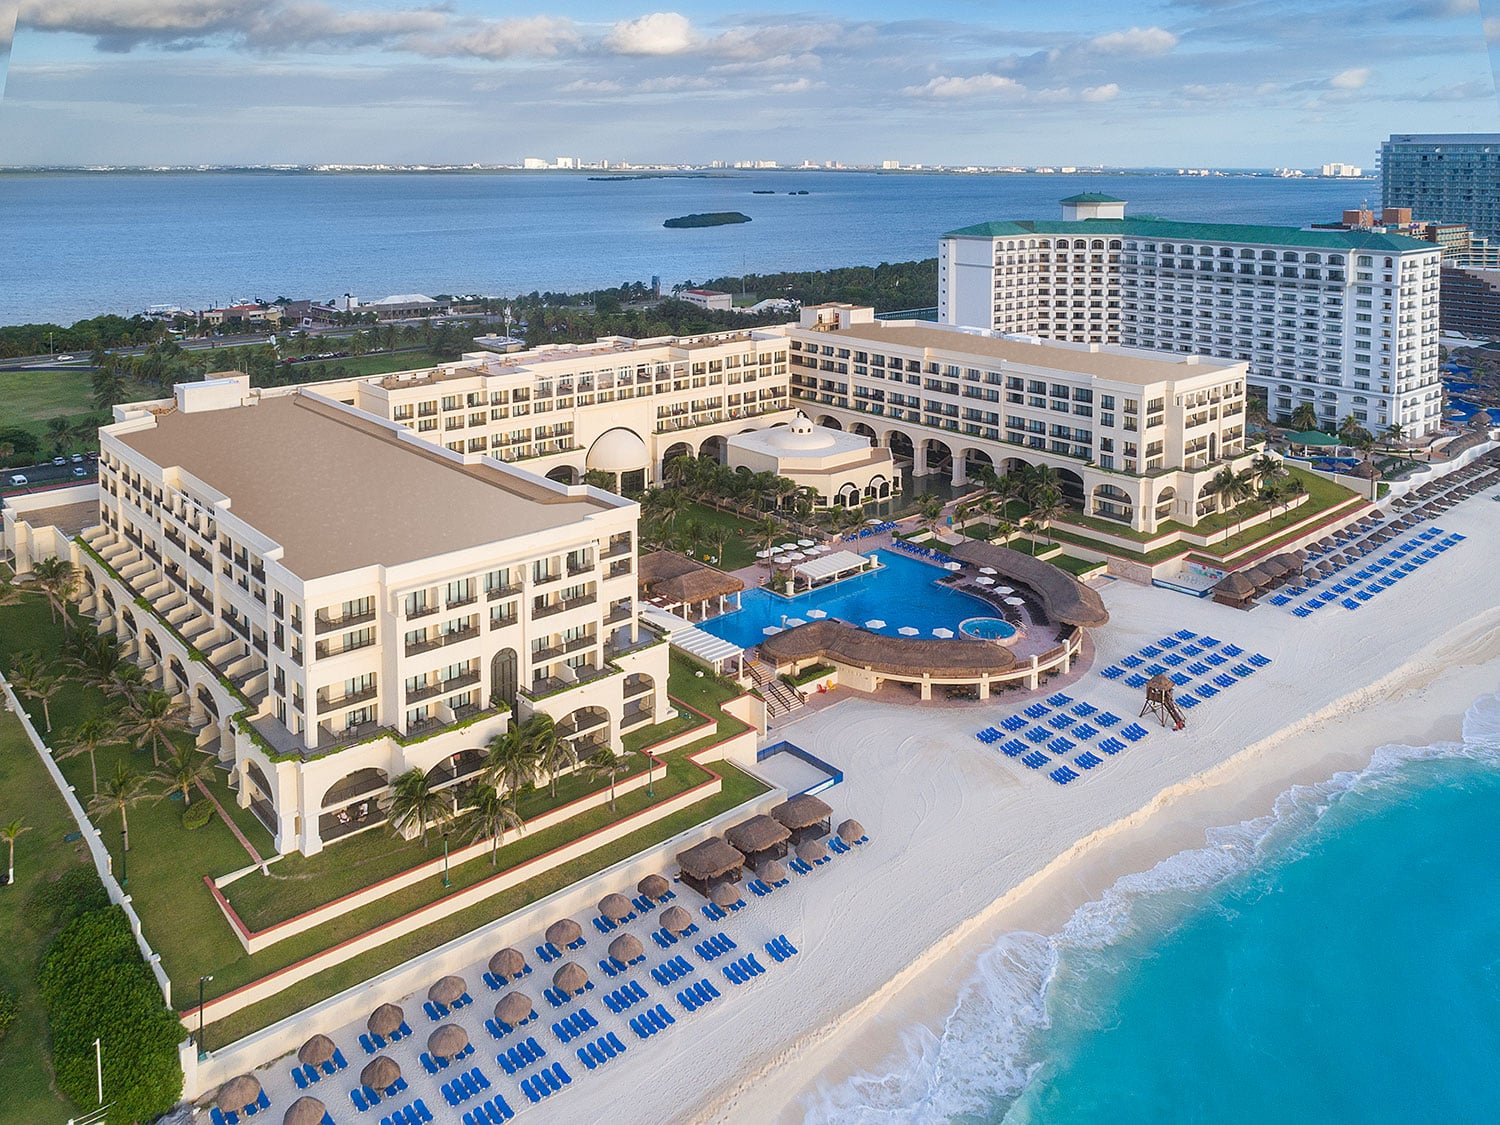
{"type": "Point", "coordinates": [95, 725]}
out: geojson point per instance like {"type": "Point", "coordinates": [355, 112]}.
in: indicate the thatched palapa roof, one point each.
{"type": "Point", "coordinates": [571, 977]}
{"type": "Point", "coordinates": [316, 1051]}
{"type": "Point", "coordinates": [756, 834]}
{"type": "Point", "coordinates": [723, 894]}
{"type": "Point", "coordinates": [384, 1020]}
{"type": "Point", "coordinates": [564, 931]}
{"type": "Point", "coordinates": [676, 920]}
{"type": "Point", "coordinates": [447, 990]}
{"type": "Point", "coordinates": [710, 859]}
{"type": "Point", "coordinates": [851, 830]}
{"type": "Point", "coordinates": [676, 578]}
{"type": "Point", "coordinates": [626, 948]}
{"type": "Point", "coordinates": [1235, 585]}
{"type": "Point", "coordinates": [1064, 598]}
{"type": "Point", "coordinates": [834, 640]}
{"type": "Point", "coordinates": [447, 1041]}
{"type": "Point", "coordinates": [380, 1073]}
{"type": "Point", "coordinates": [802, 811]}
{"type": "Point", "coordinates": [615, 906]}
{"type": "Point", "coordinates": [812, 851]}
{"type": "Point", "coordinates": [305, 1111]}
{"type": "Point", "coordinates": [653, 886]}
{"type": "Point", "coordinates": [508, 963]}
{"type": "Point", "coordinates": [771, 871]}
{"type": "Point", "coordinates": [512, 1008]}
{"type": "Point", "coordinates": [238, 1092]}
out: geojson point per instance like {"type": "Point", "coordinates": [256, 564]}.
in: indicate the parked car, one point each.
{"type": "Point", "coordinates": [78, 458]}
{"type": "Point", "coordinates": [80, 471]}
{"type": "Point", "coordinates": [59, 460]}
{"type": "Point", "coordinates": [19, 480]}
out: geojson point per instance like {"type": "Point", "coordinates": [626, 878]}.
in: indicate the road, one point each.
{"type": "Point", "coordinates": [46, 474]}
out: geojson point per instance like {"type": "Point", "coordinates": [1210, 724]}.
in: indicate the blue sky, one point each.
{"type": "Point", "coordinates": [1131, 82]}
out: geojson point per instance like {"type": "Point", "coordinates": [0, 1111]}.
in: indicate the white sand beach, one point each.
{"type": "Point", "coordinates": [967, 844]}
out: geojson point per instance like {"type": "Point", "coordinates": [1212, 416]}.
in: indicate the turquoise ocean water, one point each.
{"type": "Point", "coordinates": [1335, 961]}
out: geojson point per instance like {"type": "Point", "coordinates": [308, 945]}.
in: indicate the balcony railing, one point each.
{"type": "Point", "coordinates": [423, 610]}
{"type": "Point", "coordinates": [325, 704]}
{"type": "Point", "coordinates": [577, 644]}
{"type": "Point", "coordinates": [497, 592]}
{"type": "Point", "coordinates": [325, 649]}
{"type": "Point", "coordinates": [442, 687]}
{"type": "Point", "coordinates": [562, 606]}
{"type": "Point", "coordinates": [466, 599]}
{"type": "Point", "coordinates": [452, 638]}
{"type": "Point", "coordinates": [323, 623]}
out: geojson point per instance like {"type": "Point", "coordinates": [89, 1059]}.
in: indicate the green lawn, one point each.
{"type": "Point", "coordinates": [28, 399]}
{"type": "Point", "coordinates": [1073, 566]}
{"type": "Point", "coordinates": [42, 855]}
{"type": "Point", "coordinates": [379, 363]}
{"type": "Point", "coordinates": [741, 540]}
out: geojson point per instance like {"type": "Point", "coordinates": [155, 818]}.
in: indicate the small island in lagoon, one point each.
{"type": "Point", "coordinates": [709, 219]}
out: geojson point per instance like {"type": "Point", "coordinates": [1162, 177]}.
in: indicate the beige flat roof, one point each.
{"type": "Point", "coordinates": [340, 493]}
{"type": "Point", "coordinates": [71, 518]}
{"type": "Point", "coordinates": [1101, 364]}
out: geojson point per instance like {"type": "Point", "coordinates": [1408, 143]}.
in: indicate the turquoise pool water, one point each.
{"type": "Point", "coordinates": [903, 593]}
{"type": "Point", "coordinates": [988, 628]}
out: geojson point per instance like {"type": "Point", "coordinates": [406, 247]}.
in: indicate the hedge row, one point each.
{"type": "Point", "coordinates": [94, 984]}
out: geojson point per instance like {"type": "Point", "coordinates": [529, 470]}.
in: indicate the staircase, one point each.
{"type": "Point", "coordinates": [780, 699]}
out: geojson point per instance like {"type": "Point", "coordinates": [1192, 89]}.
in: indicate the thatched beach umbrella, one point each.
{"type": "Point", "coordinates": [676, 920]}
{"type": "Point", "coordinates": [653, 886]}
{"type": "Point", "coordinates": [851, 830]}
{"type": "Point", "coordinates": [384, 1020]}
{"type": "Point", "coordinates": [316, 1051]}
{"type": "Point", "coordinates": [712, 861]}
{"type": "Point", "coordinates": [563, 932]}
{"type": "Point", "coordinates": [802, 811]}
{"type": "Point", "coordinates": [812, 851]}
{"type": "Point", "coordinates": [238, 1092]}
{"type": "Point", "coordinates": [723, 894]}
{"type": "Point", "coordinates": [626, 948]}
{"type": "Point", "coordinates": [760, 837]}
{"type": "Point", "coordinates": [615, 906]}
{"type": "Point", "coordinates": [771, 872]}
{"type": "Point", "coordinates": [513, 1008]}
{"type": "Point", "coordinates": [447, 990]}
{"type": "Point", "coordinates": [447, 1041]}
{"type": "Point", "coordinates": [570, 978]}
{"type": "Point", "coordinates": [380, 1073]}
{"type": "Point", "coordinates": [305, 1111]}
{"type": "Point", "coordinates": [508, 963]}
{"type": "Point", "coordinates": [1234, 589]}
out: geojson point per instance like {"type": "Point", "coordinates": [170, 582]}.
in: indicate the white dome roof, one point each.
{"type": "Point", "coordinates": [617, 451]}
{"type": "Point", "coordinates": [800, 436]}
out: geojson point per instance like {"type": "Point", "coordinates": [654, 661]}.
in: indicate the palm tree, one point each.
{"type": "Point", "coordinates": [931, 511]}
{"type": "Point", "coordinates": [10, 834]}
{"type": "Point", "coordinates": [1267, 467]}
{"type": "Point", "coordinates": [1394, 434]}
{"type": "Point", "coordinates": [1004, 529]}
{"type": "Point", "coordinates": [767, 531]}
{"type": "Point", "coordinates": [1046, 504]}
{"type": "Point", "coordinates": [125, 681]}
{"type": "Point", "coordinates": [963, 514]}
{"type": "Point", "coordinates": [97, 658]}
{"type": "Point", "coordinates": [416, 804]}
{"type": "Point", "coordinates": [553, 752]}
{"type": "Point", "coordinates": [1222, 487]}
{"type": "Point", "coordinates": [33, 679]}
{"type": "Point", "coordinates": [606, 763]}
{"type": "Point", "coordinates": [59, 430]}
{"type": "Point", "coordinates": [123, 789]}
{"type": "Point", "coordinates": [1032, 529]}
{"type": "Point", "coordinates": [512, 760]}
{"type": "Point", "coordinates": [1305, 417]}
{"type": "Point", "coordinates": [58, 579]}
{"type": "Point", "coordinates": [184, 769]}
{"type": "Point", "coordinates": [1275, 492]}
{"type": "Point", "coordinates": [151, 718]}
{"type": "Point", "coordinates": [491, 814]}
{"type": "Point", "coordinates": [86, 738]}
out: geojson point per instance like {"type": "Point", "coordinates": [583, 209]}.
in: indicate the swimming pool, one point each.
{"type": "Point", "coordinates": [902, 594]}
{"type": "Point", "coordinates": [988, 629]}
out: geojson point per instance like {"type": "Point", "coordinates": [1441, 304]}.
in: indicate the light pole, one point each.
{"type": "Point", "coordinates": [124, 859]}
{"type": "Point", "coordinates": [446, 883]}
{"type": "Point", "coordinates": [202, 1054]}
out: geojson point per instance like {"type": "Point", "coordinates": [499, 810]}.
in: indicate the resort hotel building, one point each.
{"type": "Point", "coordinates": [1134, 436]}
{"type": "Point", "coordinates": [1345, 321]}
{"type": "Point", "coordinates": [1454, 177]}
{"type": "Point", "coordinates": [341, 601]}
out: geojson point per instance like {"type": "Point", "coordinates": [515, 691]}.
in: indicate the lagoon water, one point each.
{"type": "Point", "coordinates": [77, 244]}
{"type": "Point", "coordinates": [1337, 961]}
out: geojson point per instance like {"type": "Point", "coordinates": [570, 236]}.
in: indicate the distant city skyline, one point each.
{"type": "Point", "coordinates": [1165, 83]}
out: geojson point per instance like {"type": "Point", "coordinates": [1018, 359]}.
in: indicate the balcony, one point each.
{"type": "Point", "coordinates": [325, 704]}
{"type": "Point", "coordinates": [323, 623]}
{"type": "Point", "coordinates": [578, 644]}
{"type": "Point", "coordinates": [562, 606]}
{"type": "Point", "coordinates": [450, 638]}
{"type": "Point", "coordinates": [441, 687]}
{"type": "Point", "coordinates": [327, 736]}
{"type": "Point", "coordinates": [575, 569]}
{"type": "Point", "coordinates": [618, 614]}
{"type": "Point", "coordinates": [497, 592]}
{"type": "Point", "coordinates": [619, 568]}
{"type": "Point", "coordinates": [324, 649]}
{"type": "Point", "coordinates": [617, 548]}
{"type": "Point", "coordinates": [467, 599]}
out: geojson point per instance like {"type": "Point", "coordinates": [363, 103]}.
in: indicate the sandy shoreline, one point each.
{"type": "Point", "coordinates": [967, 845]}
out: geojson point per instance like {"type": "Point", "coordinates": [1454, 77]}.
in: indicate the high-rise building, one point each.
{"type": "Point", "coordinates": [1471, 301]}
{"type": "Point", "coordinates": [1452, 177]}
{"type": "Point", "coordinates": [1343, 320]}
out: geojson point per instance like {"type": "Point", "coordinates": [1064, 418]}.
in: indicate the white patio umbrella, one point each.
{"type": "Point", "coordinates": [804, 542]}
{"type": "Point", "coordinates": [985, 580]}
{"type": "Point", "coordinates": [1015, 601]}
{"type": "Point", "coordinates": [908, 631]}
{"type": "Point", "coordinates": [777, 550]}
{"type": "Point", "coordinates": [789, 546]}
{"type": "Point", "coordinates": [793, 622]}
{"type": "Point", "coordinates": [772, 630]}
{"type": "Point", "coordinates": [1004, 590]}
{"type": "Point", "coordinates": [762, 554]}
{"type": "Point", "coordinates": [988, 570]}
{"type": "Point", "coordinates": [944, 633]}
{"type": "Point", "coordinates": [953, 566]}
{"type": "Point", "coordinates": [817, 613]}
{"type": "Point", "coordinates": [794, 556]}
{"type": "Point", "coordinates": [873, 523]}
{"type": "Point", "coordinates": [875, 623]}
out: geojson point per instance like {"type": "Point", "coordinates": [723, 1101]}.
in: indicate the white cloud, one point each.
{"type": "Point", "coordinates": [1352, 79]}
{"type": "Point", "coordinates": [660, 33]}
{"type": "Point", "coordinates": [1134, 41]}
{"type": "Point", "coordinates": [1105, 93]}
{"type": "Point", "coordinates": [797, 86]}
{"type": "Point", "coordinates": [973, 86]}
{"type": "Point", "coordinates": [591, 86]}
{"type": "Point", "coordinates": [534, 36]}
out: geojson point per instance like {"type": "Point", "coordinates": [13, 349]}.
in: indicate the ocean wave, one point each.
{"type": "Point", "coordinates": [985, 1049]}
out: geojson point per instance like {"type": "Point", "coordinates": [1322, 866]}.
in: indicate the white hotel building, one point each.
{"type": "Point", "coordinates": [1343, 320]}
{"type": "Point", "coordinates": [1134, 436]}
{"type": "Point", "coordinates": [339, 601]}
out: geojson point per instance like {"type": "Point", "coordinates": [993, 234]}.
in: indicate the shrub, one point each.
{"type": "Point", "coordinates": [94, 984]}
{"type": "Point", "coordinates": [8, 1011]}
{"type": "Point", "coordinates": [197, 814]}
{"type": "Point", "coordinates": [58, 901]}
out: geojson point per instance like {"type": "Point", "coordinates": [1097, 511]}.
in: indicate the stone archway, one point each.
{"type": "Point", "coordinates": [1071, 485]}
{"type": "Point", "coordinates": [1164, 500]}
{"type": "Point", "coordinates": [864, 431]}
{"type": "Point", "coordinates": [847, 496]}
{"type": "Point", "coordinates": [1112, 503]}
{"type": "Point", "coordinates": [587, 729]}
{"type": "Point", "coordinates": [829, 422]}
{"type": "Point", "coordinates": [505, 681]}
{"type": "Point", "coordinates": [937, 456]}
{"type": "Point", "coordinates": [901, 446]}
{"type": "Point", "coordinates": [564, 474]}
{"type": "Point", "coordinates": [977, 463]}
{"type": "Point", "coordinates": [715, 448]}
{"type": "Point", "coordinates": [352, 803]}
{"type": "Point", "coordinates": [462, 766]}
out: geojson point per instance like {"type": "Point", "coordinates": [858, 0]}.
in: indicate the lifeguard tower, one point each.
{"type": "Point", "coordinates": [1159, 702]}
